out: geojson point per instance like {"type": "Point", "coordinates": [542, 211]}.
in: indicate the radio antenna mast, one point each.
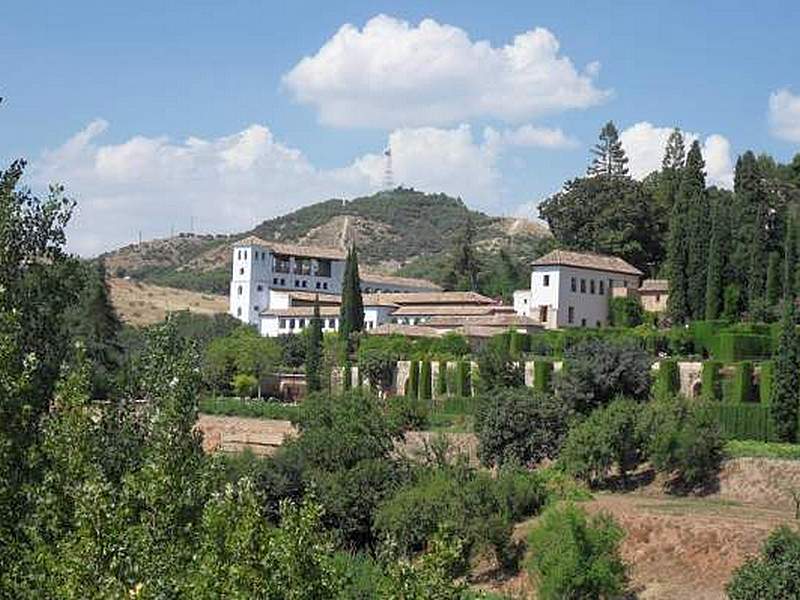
{"type": "Point", "coordinates": [388, 176]}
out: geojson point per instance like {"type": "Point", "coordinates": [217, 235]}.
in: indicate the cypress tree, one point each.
{"type": "Point", "coordinates": [714, 272]}
{"type": "Point", "coordinates": [677, 247]}
{"type": "Point", "coordinates": [351, 313]}
{"type": "Point", "coordinates": [790, 259]}
{"type": "Point", "coordinates": [609, 155]}
{"type": "Point", "coordinates": [466, 263]}
{"type": "Point", "coordinates": [773, 279]}
{"type": "Point", "coordinates": [314, 351]}
{"type": "Point", "coordinates": [783, 399]}
{"type": "Point", "coordinates": [756, 280]}
{"type": "Point", "coordinates": [692, 194]}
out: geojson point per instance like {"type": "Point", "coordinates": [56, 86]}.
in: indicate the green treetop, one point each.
{"type": "Point", "coordinates": [609, 155]}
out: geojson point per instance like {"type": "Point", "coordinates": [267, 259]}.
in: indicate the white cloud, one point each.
{"type": "Point", "coordinates": [393, 74]}
{"type": "Point", "coordinates": [644, 144]}
{"type": "Point", "coordinates": [529, 136]}
{"type": "Point", "coordinates": [231, 183]}
{"type": "Point", "coordinates": [784, 115]}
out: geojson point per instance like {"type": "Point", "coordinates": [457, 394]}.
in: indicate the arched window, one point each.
{"type": "Point", "coordinates": [240, 290]}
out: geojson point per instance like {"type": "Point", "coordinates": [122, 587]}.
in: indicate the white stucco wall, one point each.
{"type": "Point", "coordinates": [522, 302]}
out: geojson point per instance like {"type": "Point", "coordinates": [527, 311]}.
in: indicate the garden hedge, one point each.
{"type": "Point", "coordinates": [765, 380]}
{"type": "Point", "coordinates": [711, 380]}
{"type": "Point", "coordinates": [542, 375]}
{"type": "Point", "coordinates": [412, 384]}
{"type": "Point", "coordinates": [744, 421]}
{"type": "Point", "coordinates": [347, 378]}
{"type": "Point", "coordinates": [734, 347]}
{"type": "Point", "coordinates": [441, 379]}
{"type": "Point", "coordinates": [667, 382]}
{"type": "Point", "coordinates": [425, 381]}
{"type": "Point", "coordinates": [742, 386]}
{"type": "Point", "coordinates": [463, 379]}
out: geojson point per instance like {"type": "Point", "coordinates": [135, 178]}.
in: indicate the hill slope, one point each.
{"type": "Point", "coordinates": [401, 229]}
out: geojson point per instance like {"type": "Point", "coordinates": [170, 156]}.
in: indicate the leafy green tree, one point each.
{"type": "Point", "coordinates": [784, 398]}
{"type": "Point", "coordinates": [244, 385]}
{"type": "Point", "coordinates": [775, 573]}
{"type": "Point", "coordinates": [790, 259]}
{"type": "Point", "coordinates": [466, 268]}
{"type": "Point", "coordinates": [497, 367]}
{"type": "Point", "coordinates": [773, 279]}
{"type": "Point", "coordinates": [609, 155]}
{"type": "Point", "coordinates": [314, 351]}
{"type": "Point", "coordinates": [351, 317]}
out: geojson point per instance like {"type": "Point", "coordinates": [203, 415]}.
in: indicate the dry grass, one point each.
{"type": "Point", "coordinates": [144, 304]}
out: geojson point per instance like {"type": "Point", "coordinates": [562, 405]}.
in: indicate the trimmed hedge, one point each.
{"type": "Point", "coordinates": [518, 343]}
{"type": "Point", "coordinates": [542, 375]}
{"type": "Point", "coordinates": [441, 379]}
{"type": "Point", "coordinates": [765, 379]}
{"type": "Point", "coordinates": [425, 381]}
{"type": "Point", "coordinates": [705, 336]}
{"type": "Point", "coordinates": [463, 379]}
{"type": "Point", "coordinates": [744, 421]}
{"type": "Point", "coordinates": [743, 346]}
{"type": "Point", "coordinates": [347, 378]}
{"type": "Point", "coordinates": [412, 384]}
{"type": "Point", "coordinates": [742, 386]}
{"type": "Point", "coordinates": [711, 381]}
{"type": "Point", "coordinates": [668, 382]}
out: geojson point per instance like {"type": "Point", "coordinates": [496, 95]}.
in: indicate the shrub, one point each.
{"type": "Point", "coordinates": [517, 344]}
{"type": "Point", "coordinates": [743, 346]}
{"type": "Point", "coordinates": [412, 383]}
{"type": "Point", "coordinates": [347, 378]}
{"type": "Point", "coordinates": [425, 383]}
{"type": "Point", "coordinates": [441, 379]}
{"type": "Point", "coordinates": [680, 342]}
{"type": "Point", "coordinates": [705, 336]}
{"type": "Point", "coordinates": [600, 370]}
{"type": "Point", "coordinates": [542, 375]}
{"type": "Point", "coordinates": [574, 556]}
{"type": "Point", "coordinates": [450, 345]}
{"type": "Point", "coordinates": [744, 421]}
{"type": "Point", "coordinates": [409, 413]}
{"type": "Point", "coordinates": [497, 367]}
{"type": "Point", "coordinates": [606, 438]}
{"type": "Point", "coordinates": [742, 387]}
{"type": "Point", "coordinates": [773, 574]}
{"type": "Point", "coordinates": [463, 383]}
{"type": "Point", "coordinates": [711, 382]}
{"type": "Point", "coordinates": [377, 357]}
{"type": "Point", "coordinates": [765, 379]}
{"type": "Point", "coordinates": [244, 385]}
{"type": "Point", "coordinates": [520, 426]}
{"type": "Point", "coordinates": [625, 312]}
{"type": "Point", "coordinates": [668, 382]}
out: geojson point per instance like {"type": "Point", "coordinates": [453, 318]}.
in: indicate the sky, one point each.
{"type": "Point", "coordinates": [213, 116]}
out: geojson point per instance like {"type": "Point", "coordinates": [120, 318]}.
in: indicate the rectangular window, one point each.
{"type": "Point", "coordinates": [574, 285]}
{"type": "Point", "coordinates": [283, 281]}
{"type": "Point", "coordinates": [255, 308]}
{"type": "Point", "coordinates": [305, 284]}
{"type": "Point", "coordinates": [296, 283]}
{"type": "Point", "coordinates": [610, 285]}
{"type": "Point", "coordinates": [282, 323]}
{"type": "Point", "coordinates": [301, 323]}
{"type": "Point", "coordinates": [241, 271]}
{"type": "Point", "coordinates": [571, 314]}
{"type": "Point", "coordinates": [546, 281]}
{"type": "Point", "coordinates": [260, 288]}
{"type": "Point", "coordinates": [583, 286]}
{"type": "Point", "coordinates": [591, 286]}
{"type": "Point", "coordinates": [291, 323]}
{"type": "Point", "coordinates": [331, 323]}
{"type": "Point", "coordinates": [318, 285]}
{"type": "Point", "coordinates": [325, 285]}
{"type": "Point", "coordinates": [583, 322]}
{"type": "Point", "coordinates": [274, 281]}
{"type": "Point", "coordinates": [602, 287]}
{"type": "Point", "coordinates": [599, 324]}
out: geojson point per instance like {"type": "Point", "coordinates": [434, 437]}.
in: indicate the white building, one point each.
{"type": "Point", "coordinates": [572, 289]}
{"type": "Point", "coordinates": [261, 268]}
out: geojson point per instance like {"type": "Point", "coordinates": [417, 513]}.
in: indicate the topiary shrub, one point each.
{"type": "Point", "coordinates": [743, 346]}
{"type": "Point", "coordinates": [775, 573]}
{"type": "Point", "coordinates": [409, 413]}
{"type": "Point", "coordinates": [517, 344]}
{"type": "Point", "coordinates": [412, 383]}
{"type": "Point", "coordinates": [668, 382]}
{"type": "Point", "coordinates": [711, 381]}
{"type": "Point", "coordinates": [765, 379]}
{"type": "Point", "coordinates": [576, 556]}
{"type": "Point", "coordinates": [425, 383]}
{"type": "Point", "coordinates": [742, 386]}
{"type": "Point", "coordinates": [463, 379]}
{"type": "Point", "coordinates": [441, 379]}
{"type": "Point", "coordinates": [542, 375]}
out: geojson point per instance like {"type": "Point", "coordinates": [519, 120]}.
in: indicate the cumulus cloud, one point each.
{"type": "Point", "coordinates": [230, 183]}
{"type": "Point", "coordinates": [529, 136]}
{"type": "Point", "coordinates": [644, 144]}
{"type": "Point", "coordinates": [784, 115]}
{"type": "Point", "coordinates": [393, 74]}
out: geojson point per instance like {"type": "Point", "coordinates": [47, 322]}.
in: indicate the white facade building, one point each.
{"type": "Point", "coordinates": [573, 289]}
{"type": "Point", "coordinates": [261, 268]}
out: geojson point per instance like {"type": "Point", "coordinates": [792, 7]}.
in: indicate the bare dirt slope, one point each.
{"type": "Point", "coordinates": [144, 304]}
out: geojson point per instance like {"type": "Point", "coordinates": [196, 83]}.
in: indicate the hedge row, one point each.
{"type": "Point", "coordinates": [542, 375]}
{"type": "Point", "coordinates": [744, 421]}
{"type": "Point", "coordinates": [743, 346]}
{"type": "Point", "coordinates": [668, 382]}
{"type": "Point", "coordinates": [711, 381]}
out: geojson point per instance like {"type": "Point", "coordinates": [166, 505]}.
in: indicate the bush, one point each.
{"type": "Point", "coordinates": [244, 385]}
{"type": "Point", "coordinates": [606, 438]}
{"type": "Point", "coordinates": [463, 379]}
{"type": "Point", "coordinates": [743, 346]}
{"type": "Point", "coordinates": [765, 379]}
{"type": "Point", "coordinates": [773, 574]}
{"type": "Point", "coordinates": [497, 367]}
{"type": "Point", "coordinates": [409, 413]}
{"type": "Point", "coordinates": [412, 383]}
{"type": "Point", "coordinates": [711, 382]}
{"type": "Point", "coordinates": [441, 379]}
{"type": "Point", "coordinates": [449, 346]}
{"type": "Point", "coordinates": [518, 343]}
{"type": "Point", "coordinates": [293, 348]}
{"type": "Point", "coordinates": [520, 426]}
{"type": "Point", "coordinates": [705, 336]}
{"type": "Point", "coordinates": [742, 387]}
{"type": "Point", "coordinates": [425, 383]}
{"type": "Point", "coordinates": [574, 556]}
{"type": "Point", "coordinates": [260, 409]}
{"type": "Point", "coordinates": [542, 375]}
{"type": "Point", "coordinates": [744, 421]}
{"type": "Point", "coordinates": [625, 312]}
{"type": "Point", "coordinates": [347, 378]}
{"type": "Point", "coordinates": [598, 371]}
{"type": "Point", "coordinates": [668, 381]}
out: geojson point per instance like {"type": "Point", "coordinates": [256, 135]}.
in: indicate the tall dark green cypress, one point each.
{"type": "Point", "coordinates": [756, 278]}
{"type": "Point", "coordinates": [692, 198]}
{"type": "Point", "coordinates": [314, 351]}
{"type": "Point", "coordinates": [784, 396]}
{"type": "Point", "coordinates": [714, 273]}
{"type": "Point", "coordinates": [351, 314]}
{"type": "Point", "coordinates": [773, 279]}
{"type": "Point", "coordinates": [677, 258]}
{"type": "Point", "coordinates": [789, 258]}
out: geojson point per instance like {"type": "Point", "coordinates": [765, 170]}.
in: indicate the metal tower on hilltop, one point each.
{"type": "Point", "coordinates": [388, 176]}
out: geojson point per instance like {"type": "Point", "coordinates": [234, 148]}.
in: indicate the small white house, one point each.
{"type": "Point", "coordinates": [572, 289]}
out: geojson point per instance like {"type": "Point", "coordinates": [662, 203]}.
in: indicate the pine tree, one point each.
{"type": "Point", "coordinates": [314, 351]}
{"type": "Point", "coordinates": [674, 153]}
{"type": "Point", "coordinates": [693, 202]}
{"type": "Point", "coordinates": [714, 276]}
{"type": "Point", "coordinates": [351, 315]}
{"type": "Point", "coordinates": [609, 155]}
{"type": "Point", "coordinates": [789, 259]}
{"type": "Point", "coordinates": [773, 279]}
{"type": "Point", "coordinates": [783, 398]}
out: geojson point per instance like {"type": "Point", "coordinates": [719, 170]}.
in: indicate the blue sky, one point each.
{"type": "Point", "coordinates": [152, 113]}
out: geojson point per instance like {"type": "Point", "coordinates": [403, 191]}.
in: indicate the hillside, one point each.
{"type": "Point", "coordinates": [399, 230]}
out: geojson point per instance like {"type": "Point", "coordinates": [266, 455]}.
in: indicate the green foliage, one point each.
{"type": "Point", "coordinates": [744, 421]}
{"type": "Point", "coordinates": [761, 449]}
{"type": "Point", "coordinates": [667, 381]}
{"type": "Point", "coordinates": [242, 352]}
{"type": "Point", "coordinates": [600, 370]}
{"type": "Point", "coordinates": [351, 315]}
{"type": "Point", "coordinates": [575, 556]}
{"type": "Point", "coordinates": [314, 352]}
{"type": "Point", "coordinates": [425, 381]}
{"type": "Point", "coordinates": [409, 413]}
{"type": "Point", "coordinates": [609, 155]}
{"type": "Point", "coordinates": [520, 426]}
{"type": "Point", "coordinates": [784, 399]}
{"type": "Point", "coordinates": [742, 346]}
{"type": "Point", "coordinates": [244, 385]}
{"type": "Point", "coordinates": [497, 367]}
{"type": "Point", "coordinates": [607, 438]}
{"type": "Point", "coordinates": [743, 382]}
{"type": "Point", "coordinates": [441, 379]}
{"type": "Point", "coordinates": [259, 409]}
{"type": "Point", "coordinates": [377, 357]}
{"type": "Point", "coordinates": [412, 383]}
{"type": "Point", "coordinates": [517, 343]}
{"type": "Point", "coordinates": [625, 312]}
{"type": "Point", "coordinates": [293, 350]}
{"type": "Point", "coordinates": [766, 379]}
{"type": "Point", "coordinates": [711, 381]}
{"type": "Point", "coordinates": [463, 381]}
{"type": "Point", "coordinates": [542, 376]}
{"type": "Point", "coordinates": [775, 573]}
{"type": "Point", "coordinates": [773, 279]}
{"type": "Point", "coordinates": [450, 346]}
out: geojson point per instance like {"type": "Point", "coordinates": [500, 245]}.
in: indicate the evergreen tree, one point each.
{"type": "Point", "coordinates": [756, 281]}
{"type": "Point", "coordinates": [674, 153]}
{"type": "Point", "coordinates": [783, 398]}
{"type": "Point", "coordinates": [773, 279]}
{"type": "Point", "coordinates": [352, 310]}
{"type": "Point", "coordinates": [314, 351]}
{"type": "Point", "coordinates": [748, 202]}
{"type": "Point", "coordinates": [789, 259]}
{"type": "Point", "coordinates": [714, 275]}
{"type": "Point", "coordinates": [677, 264]}
{"type": "Point", "coordinates": [609, 155]}
{"type": "Point", "coordinates": [466, 267]}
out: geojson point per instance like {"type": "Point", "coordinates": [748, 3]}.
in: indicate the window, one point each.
{"type": "Point", "coordinates": [239, 312]}
{"type": "Point", "coordinates": [255, 308]}
{"type": "Point", "coordinates": [546, 281]}
{"type": "Point", "coordinates": [324, 285]}
{"type": "Point", "coordinates": [239, 255]}
{"type": "Point", "coordinates": [583, 322]}
{"type": "Point", "coordinates": [610, 285]}
{"type": "Point", "coordinates": [318, 285]}
{"type": "Point", "coordinates": [282, 323]}
{"type": "Point", "coordinates": [571, 314]}
{"type": "Point", "coordinates": [245, 254]}
{"type": "Point", "coordinates": [658, 297]}
{"type": "Point", "coordinates": [283, 281]}
{"type": "Point", "coordinates": [543, 314]}
{"type": "Point", "coordinates": [260, 288]}
{"type": "Point", "coordinates": [296, 283]}
{"type": "Point", "coordinates": [239, 291]}
{"type": "Point", "coordinates": [598, 324]}
{"type": "Point", "coordinates": [291, 323]}
{"type": "Point", "coordinates": [305, 284]}
{"type": "Point", "coordinates": [574, 285]}
{"type": "Point", "coordinates": [301, 323]}
{"type": "Point", "coordinates": [331, 323]}
{"type": "Point", "coordinates": [274, 281]}
{"type": "Point", "coordinates": [583, 286]}
{"type": "Point", "coordinates": [591, 286]}
{"type": "Point", "coordinates": [241, 271]}
{"type": "Point", "coordinates": [602, 287]}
